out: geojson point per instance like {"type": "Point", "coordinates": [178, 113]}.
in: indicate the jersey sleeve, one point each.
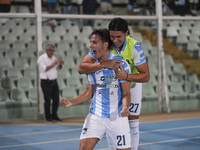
{"type": "Point", "coordinates": [90, 79]}
{"type": "Point", "coordinates": [91, 53]}
{"type": "Point", "coordinates": [138, 54]}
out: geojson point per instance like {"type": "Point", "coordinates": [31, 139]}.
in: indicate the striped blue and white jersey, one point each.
{"type": "Point", "coordinates": [107, 99]}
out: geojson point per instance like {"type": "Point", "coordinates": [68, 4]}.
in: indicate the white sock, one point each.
{"type": "Point", "coordinates": [135, 135]}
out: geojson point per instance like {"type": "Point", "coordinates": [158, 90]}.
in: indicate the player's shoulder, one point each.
{"type": "Point", "coordinates": [115, 56]}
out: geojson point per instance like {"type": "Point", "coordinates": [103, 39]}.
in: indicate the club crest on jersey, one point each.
{"type": "Point", "coordinates": [84, 131]}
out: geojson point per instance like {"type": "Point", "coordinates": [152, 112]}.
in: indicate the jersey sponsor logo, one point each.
{"type": "Point", "coordinates": [107, 86]}
{"type": "Point", "coordinates": [105, 92]}
{"type": "Point", "coordinates": [108, 78]}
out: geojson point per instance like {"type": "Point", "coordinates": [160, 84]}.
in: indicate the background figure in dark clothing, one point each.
{"type": "Point", "coordinates": [67, 6]}
{"type": "Point", "coordinates": [48, 66]}
{"type": "Point", "coordinates": [5, 6]}
{"type": "Point", "coordinates": [88, 7]}
{"type": "Point", "coordinates": [180, 8]}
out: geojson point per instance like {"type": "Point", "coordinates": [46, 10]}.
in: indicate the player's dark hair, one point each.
{"type": "Point", "coordinates": [119, 24]}
{"type": "Point", "coordinates": [103, 35]}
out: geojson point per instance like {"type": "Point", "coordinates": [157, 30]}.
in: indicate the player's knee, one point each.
{"type": "Point", "coordinates": [131, 117]}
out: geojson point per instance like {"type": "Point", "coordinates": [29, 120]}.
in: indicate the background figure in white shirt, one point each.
{"type": "Point", "coordinates": [48, 66]}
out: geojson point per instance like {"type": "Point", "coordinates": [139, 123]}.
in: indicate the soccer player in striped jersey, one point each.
{"type": "Point", "coordinates": [131, 50]}
{"type": "Point", "coordinates": [110, 99]}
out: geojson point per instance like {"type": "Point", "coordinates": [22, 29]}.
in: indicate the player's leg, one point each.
{"type": "Point", "coordinates": [92, 131]}
{"type": "Point", "coordinates": [118, 133]}
{"type": "Point", "coordinates": [135, 108]}
{"type": "Point", "coordinates": [88, 143]}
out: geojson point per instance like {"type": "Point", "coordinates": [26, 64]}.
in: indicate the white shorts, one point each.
{"type": "Point", "coordinates": [136, 99]}
{"type": "Point", "coordinates": [117, 131]}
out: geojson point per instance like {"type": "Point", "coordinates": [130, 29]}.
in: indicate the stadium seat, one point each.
{"type": "Point", "coordinates": [74, 81]}
{"type": "Point", "coordinates": [171, 33]}
{"type": "Point", "coordinates": [61, 82]}
{"type": "Point", "coordinates": [10, 23]}
{"type": "Point", "coordinates": [59, 53]}
{"type": "Point", "coordinates": [5, 63]}
{"type": "Point", "coordinates": [146, 45]}
{"type": "Point", "coordinates": [33, 94]}
{"type": "Point", "coordinates": [148, 92]}
{"type": "Point", "coordinates": [24, 83]}
{"type": "Point", "coordinates": [28, 54]}
{"type": "Point", "coordinates": [7, 83]}
{"type": "Point", "coordinates": [63, 46]}
{"type": "Point", "coordinates": [74, 31]}
{"type": "Point", "coordinates": [175, 23]}
{"type": "Point", "coordinates": [60, 30]}
{"type": "Point", "coordinates": [33, 62]}
{"type": "Point", "coordinates": [153, 81]}
{"type": "Point", "coordinates": [31, 72]}
{"type": "Point", "coordinates": [24, 9]}
{"type": "Point", "coordinates": [138, 37]}
{"type": "Point", "coordinates": [194, 38]}
{"type": "Point", "coordinates": [54, 37]}
{"type": "Point", "coordinates": [169, 60]}
{"type": "Point", "coordinates": [191, 90]}
{"type": "Point", "coordinates": [184, 31]}
{"type": "Point", "coordinates": [4, 30]}
{"type": "Point", "coordinates": [14, 73]}
{"type": "Point", "coordinates": [86, 30]}
{"type": "Point", "coordinates": [69, 92]}
{"type": "Point", "coordinates": [19, 45]}
{"type": "Point", "coordinates": [154, 70]}
{"type": "Point", "coordinates": [21, 63]}
{"type": "Point", "coordinates": [18, 96]}
{"type": "Point", "coordinates": [69, 62]}
{"type": "Point", "coordinates": [25, 37]}
{"type": "Point", "coordinates": [178, 68]}
{"type": "Point", "coordinates": [4, 45]}
{"type": "Point", "coordinates": [66, 23]}
{"type": "Point", "coordinates": [3, 95]}
{"type": "Point", "coordinates": [176, 91]}
{"type": "Point", "coordinates": [64, 73]}
{"type": "Point", "coordinates": [12, 54]}
{"type": "Point", "coordinates": [182, 41]}
{"type": "Point", "coordinates": [17, 30]}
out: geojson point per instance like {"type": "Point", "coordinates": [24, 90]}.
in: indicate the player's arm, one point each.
{"type": "Point", "coordinates": [142, 76]}
{"type": "Point", "coordinates": [88, 65]}
{"type": "Point", "coordinates": [126, 99]}
{"type": "Point", "coordinates": [84, 97]}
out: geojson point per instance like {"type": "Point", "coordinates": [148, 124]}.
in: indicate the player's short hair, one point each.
{"type": "Point", "coordinates": [119, 24]}
{"type": "Point", "coordinates": [103, 35]}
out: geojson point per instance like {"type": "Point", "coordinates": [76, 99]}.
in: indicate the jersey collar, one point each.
{"type": "Point", "coordinates": [123, 48]}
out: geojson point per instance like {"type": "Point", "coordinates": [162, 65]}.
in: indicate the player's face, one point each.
{"type": "Point", "coordinates": [97, 46]}
{"type": "Point", "coordinates": [117, 38]}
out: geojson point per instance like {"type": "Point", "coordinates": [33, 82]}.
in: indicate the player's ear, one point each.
{"type": "Point", "coordinates": [105, 45]}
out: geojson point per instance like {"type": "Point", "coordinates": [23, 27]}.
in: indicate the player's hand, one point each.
{"type": "Point", "coordinates": [66, 102]}
{"type": "Point", "coordinates": [121, 73]}
{"type": "Point", "coordinates": [111, 64]}
{"type": "Point", "coordinates": [125, 112]}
